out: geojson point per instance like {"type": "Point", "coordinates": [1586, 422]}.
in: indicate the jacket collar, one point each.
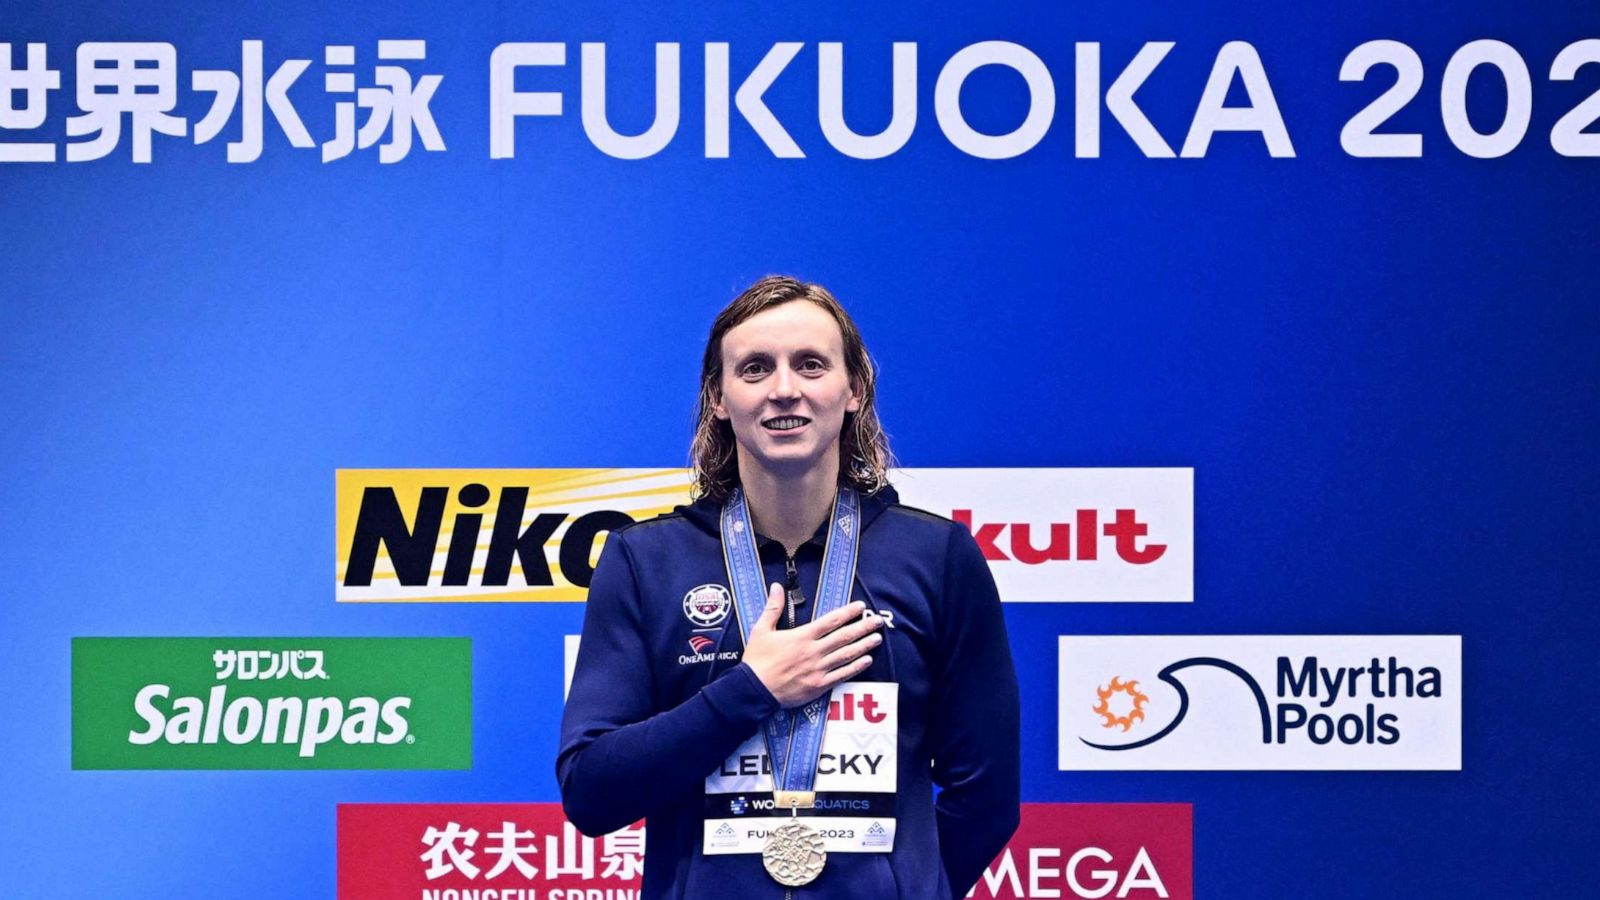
{"type": "Point", "coordinates": [706, 513]}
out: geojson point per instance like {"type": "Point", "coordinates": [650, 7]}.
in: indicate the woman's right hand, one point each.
{"type": "Point", "coordinates": [799, 664]}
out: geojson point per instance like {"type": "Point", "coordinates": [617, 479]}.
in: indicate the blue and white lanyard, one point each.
{"type": "Point", "coordinates": [797, 732]}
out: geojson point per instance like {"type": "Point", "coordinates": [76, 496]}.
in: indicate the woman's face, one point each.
{"type": "Point", "coordinates": [785, 388]}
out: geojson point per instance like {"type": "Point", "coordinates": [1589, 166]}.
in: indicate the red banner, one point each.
{"type": "Point", "coordinates": [528, 851]}
{"type": "Point", "coordinates": [1091, 850]}
{"type": "Point", "coordinates": [505, 851]}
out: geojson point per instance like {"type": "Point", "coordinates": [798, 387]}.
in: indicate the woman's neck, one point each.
{"type": "Point", "coordinates": [790, 508]}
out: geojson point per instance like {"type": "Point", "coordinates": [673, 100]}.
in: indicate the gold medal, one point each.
{"type": "Point", "coordinates": [794, 855]}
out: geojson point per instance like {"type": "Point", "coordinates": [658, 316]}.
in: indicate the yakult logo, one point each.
{"type": "Point", "coordinates": [1125, 531]}
{"type": "Point", "coordinates": [1071, 535]}
{"type": "Point", "coordinates": [1299, 702]}
{"type": "Point", "coordinates": [850, 707]}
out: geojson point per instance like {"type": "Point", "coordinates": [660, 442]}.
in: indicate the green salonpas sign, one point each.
{"type": "Point", "coordinates": [271, 703]}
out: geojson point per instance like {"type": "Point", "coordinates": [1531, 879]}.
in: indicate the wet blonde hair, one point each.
{"type": "Point", "coordinates": [864, 457]}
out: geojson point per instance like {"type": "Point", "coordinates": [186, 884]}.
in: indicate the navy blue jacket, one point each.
{"type": "Point", "coordinates": [643, 728]}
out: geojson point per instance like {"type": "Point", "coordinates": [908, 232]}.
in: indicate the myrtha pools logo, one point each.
{"type": "Point", "coordinates": [1260, 702]}
{"type": "Point", "coordinates": [1135, 709]}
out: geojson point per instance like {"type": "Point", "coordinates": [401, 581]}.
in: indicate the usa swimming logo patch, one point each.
{"type": "Point", "coordinates": [707, 605]}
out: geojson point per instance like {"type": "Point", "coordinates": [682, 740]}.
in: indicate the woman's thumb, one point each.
{"type": "Point", "coordinates": [769, 615]}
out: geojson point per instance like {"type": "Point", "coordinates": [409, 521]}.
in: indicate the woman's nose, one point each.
{"type": "Point", "coordinates": [784, 386]}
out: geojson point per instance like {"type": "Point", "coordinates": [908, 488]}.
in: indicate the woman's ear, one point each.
{"type": "Point", "coordinates": [855, 397]}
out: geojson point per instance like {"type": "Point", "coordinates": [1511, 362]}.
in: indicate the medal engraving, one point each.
{"type": "Point", "coordinates": [794, 855]}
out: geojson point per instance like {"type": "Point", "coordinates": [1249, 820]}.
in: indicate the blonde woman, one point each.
{"type": "Point", "coordinates": [779, 675]}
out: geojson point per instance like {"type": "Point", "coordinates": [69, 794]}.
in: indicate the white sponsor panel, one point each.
{"type": "Point", "coordinates": [1071, 535]}
{"type": "Point", "coordinates": [532, 535]}
{"type": "Point", "coordinates": [840, 834]}
{"type": "Point", "coordinates": [856, 768]}
{"type": "Point", "coordinates": [1258, 702]}
{"type": "Point", "coordinates": [555, 524]}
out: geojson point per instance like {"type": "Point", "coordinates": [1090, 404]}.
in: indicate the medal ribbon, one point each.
{"type": "Point", "coordinates": [793, 736]}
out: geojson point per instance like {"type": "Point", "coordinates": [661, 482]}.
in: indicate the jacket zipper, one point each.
{"type": "Point", "coordinates": [791, 585]}
{"type": "Point", "coordinates": [791, 591]}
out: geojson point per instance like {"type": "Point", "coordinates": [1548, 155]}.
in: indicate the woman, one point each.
{"type": "Point", "coordinates": [795, 607]}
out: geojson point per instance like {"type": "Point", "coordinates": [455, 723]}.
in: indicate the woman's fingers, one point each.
{"type": "Point", "coordinates": [842, 656]}
{"type": "Point", "coordinates": [849, 633]}
{"type": "Point", "coordinates": [847, 671]}
{"type": "Point", "coordinates": [832, 621]}
{"type": "Point", "coordinates": [799, 664]}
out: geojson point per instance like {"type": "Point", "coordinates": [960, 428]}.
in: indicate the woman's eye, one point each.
{"type": "Point", "coordinates": [753, 370]}
{"type": "Point", "coordinates": [813, 366]}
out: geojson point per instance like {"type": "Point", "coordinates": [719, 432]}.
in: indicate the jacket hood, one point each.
{"type": "Point", "coordinates": [706, 513]}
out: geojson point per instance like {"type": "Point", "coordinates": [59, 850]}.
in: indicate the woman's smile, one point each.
{"type": "Point", "coordinates": [785, 424]}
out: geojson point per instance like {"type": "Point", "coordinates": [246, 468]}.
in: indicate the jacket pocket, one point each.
{"type": "Point", "coordinates": [852, 876]}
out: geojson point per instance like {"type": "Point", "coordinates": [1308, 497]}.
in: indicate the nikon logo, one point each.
{"type": "Point", "coordinates": [486, 535]}
{"type": "Point", "coordinates": [271, 703]}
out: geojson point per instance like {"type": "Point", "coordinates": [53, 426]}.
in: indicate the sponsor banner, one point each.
{"type": "Point", "coordinates": [1092, 850]}
{"type": "Point", "coordinates": [840, 834]}
{"type": "Point", "coordinates": [271, 703]}
{"type": "Point", "coordinates": [528, 851]}
{"type": "Point", "coordinates": [1071, 535]}
{"type": "Point", "coordinates": [855, 784]}
{"type": "Point", "coordinates": [497, 535]}
{"type": "Point", "coordinates": [483, 851]}
{"type": "Point", "coordinates": [486, 535]}
{"type": "Point", "coordinates": [1296, 702]}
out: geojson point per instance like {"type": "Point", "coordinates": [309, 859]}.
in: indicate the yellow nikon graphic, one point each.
{"type": "Point", "coordinates": [486, 535]}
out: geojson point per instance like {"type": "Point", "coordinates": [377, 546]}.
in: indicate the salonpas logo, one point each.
{"type": "Point", "coordinates": [271, 703]}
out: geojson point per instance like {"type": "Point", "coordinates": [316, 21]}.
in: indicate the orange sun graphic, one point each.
{"type": "Point", "coordinates": [1118, 686]}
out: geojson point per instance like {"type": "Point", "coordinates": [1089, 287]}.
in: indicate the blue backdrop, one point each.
{"type": "Point", "coordinates": [1382, 371]}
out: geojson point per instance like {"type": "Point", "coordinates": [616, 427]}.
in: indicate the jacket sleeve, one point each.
{"type": "Point", "coordinates": [976, 731]}
{"type": "Point", "coordinates": [621, 758]}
